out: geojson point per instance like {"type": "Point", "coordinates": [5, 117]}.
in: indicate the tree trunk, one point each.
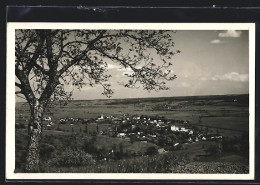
{"type": "Point", "coordinates": [34, 136]}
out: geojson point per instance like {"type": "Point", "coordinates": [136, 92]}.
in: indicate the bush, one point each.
{"type": "Point", "coordinates": [71, 158]}
{"type": "Point", "coordinates": [89, 146]}
{"type": "Point", "coordinates": [46, 150]}
{"type": "Point", "coordinates": [151, 151]}
{"type": "Point", "coordinates": [214, 148]}
{"type": "Point", "coordinates": [180, 147]}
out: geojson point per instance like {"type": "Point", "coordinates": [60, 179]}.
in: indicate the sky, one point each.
{"type": "Point", "coordinates": [210, 63]}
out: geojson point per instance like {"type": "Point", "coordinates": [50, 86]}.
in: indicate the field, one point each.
{"type": "Point", "coordinates": [222, 112]}
{"type": "Point", "coordinates": [227, 115]}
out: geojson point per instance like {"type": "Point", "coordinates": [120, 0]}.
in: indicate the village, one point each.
{"type": "Point", "coordinates": [168, 135]}
{"type": "Point", "coordinates": [112, 137]}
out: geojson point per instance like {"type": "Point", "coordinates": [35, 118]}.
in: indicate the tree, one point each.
{"type": "Point", "coordinates": [49, 60]}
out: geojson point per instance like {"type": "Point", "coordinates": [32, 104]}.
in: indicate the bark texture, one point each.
{"type": "Point", "coordinates": [34, 137]}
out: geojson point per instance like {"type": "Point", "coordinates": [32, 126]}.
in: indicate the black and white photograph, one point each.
{"type": "Point", "coordinates": [130, 100]}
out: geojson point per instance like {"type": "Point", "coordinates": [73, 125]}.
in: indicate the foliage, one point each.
{"type": "Point", "coordinates": [89, 146]}
{"type": "Point", "coordinates": [214, 148]}
{"type": "Point", "coordinates": [236, 144]}
{"type": "Point", "coordinates": [151, 151]}
{"type": "Point", "coordinates": [71, 158]}
{"type": "Point", "coordinates": [144, 164]}
{"type": "Point", "coordinates": [46, 151]}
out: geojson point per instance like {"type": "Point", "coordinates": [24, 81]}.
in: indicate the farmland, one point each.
{"type": "Point", "coordinates": [224, 115]}
{"type": "Point", "coordinates": [212, 111]}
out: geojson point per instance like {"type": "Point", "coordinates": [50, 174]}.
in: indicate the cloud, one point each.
{"type": "Point", "coordinates": [233, 76]}
{"type": "Point", "coordinates": [230, 33]}
{"type": "Point", "coordinates": [217, 41]}
{"type": "Point", "coordinates": [203, 78]}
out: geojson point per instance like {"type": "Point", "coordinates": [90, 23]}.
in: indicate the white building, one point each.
{"type": "Point", "coordinates": [174, 128]}
{"type": "Point", "coordinates": [121, 135]}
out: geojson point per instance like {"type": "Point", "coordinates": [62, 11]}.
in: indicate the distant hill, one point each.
{"type": "Point", "coordinates": [243, 98]}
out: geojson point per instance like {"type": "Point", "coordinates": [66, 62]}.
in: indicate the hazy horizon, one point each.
{"type": "Point", "coordinates": [23, 101]}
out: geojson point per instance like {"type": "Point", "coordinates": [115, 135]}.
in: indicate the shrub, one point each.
{"type": "Point", "coordinates": [71, 158]}
{"type": "Point", "coordinates": [151, 151]}
{"type": "Point", "coordinates": [180, 147]}
{"type": "Point", "coordinates": [214, 148]}
{"type": "Point", "coordinates": [20, 157]}
{"type": "Point", "coordinates": [89, 146]}
{"type": "Point", "coordinates": [46, 150]}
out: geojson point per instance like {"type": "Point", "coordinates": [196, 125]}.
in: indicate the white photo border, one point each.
{"type": "Point", "coordinates": [10, 100]}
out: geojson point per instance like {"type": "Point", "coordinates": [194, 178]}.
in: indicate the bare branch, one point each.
{"type": "Point", "coordinates": [40, 68]}
{"type": "Point", "coordinates": [18, 92]}
{"type": "Point", "coordinates": [18, 85]}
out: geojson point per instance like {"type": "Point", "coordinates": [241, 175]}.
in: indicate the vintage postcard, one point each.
{"type": "Point", "coordinates": [130, 101]}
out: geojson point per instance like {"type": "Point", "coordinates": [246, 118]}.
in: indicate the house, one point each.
{"type": "Point", "coordinates": [121, 135]}
{"type": "Point", "coordinates": [100, 118]}
{"type": "Point", "coordinates": [183, 129]}
{"type": "Point", "coordinates": [174, 128]}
